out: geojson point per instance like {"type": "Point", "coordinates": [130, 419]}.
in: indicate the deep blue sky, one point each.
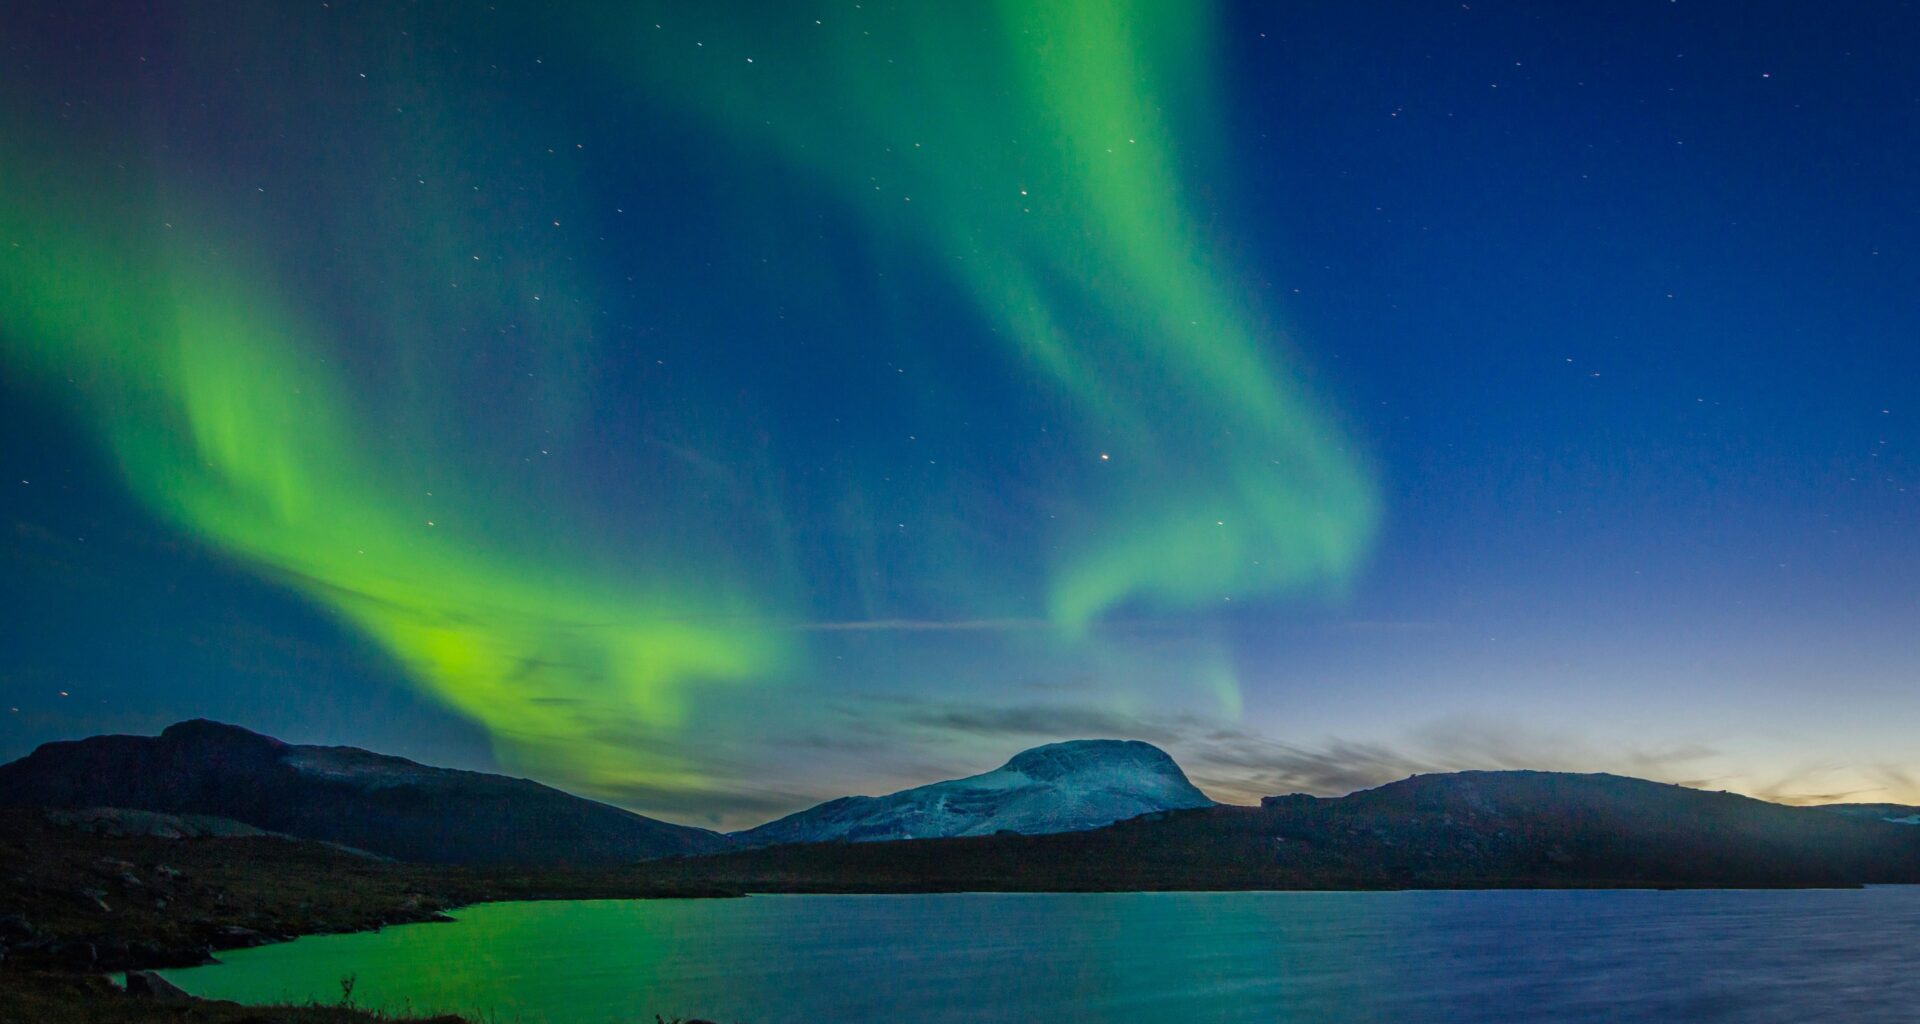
{"type": "Point", "coordinates": [1615, 303]}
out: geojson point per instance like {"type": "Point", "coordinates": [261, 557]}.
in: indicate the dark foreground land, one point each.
{"type": "Point", "coordinates": [77, 901]}
{"type": "Point", "coordinates": [51, 998]}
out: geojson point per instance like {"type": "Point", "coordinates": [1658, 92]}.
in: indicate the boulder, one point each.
{"type": "Point", "coordinates": [233, 936]}
{"type": "Point", "coordinates": [148, 985]}
{"type": "Point", "coordinates": [16, 928]}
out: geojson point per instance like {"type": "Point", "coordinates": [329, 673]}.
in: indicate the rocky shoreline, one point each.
{"type": "Point", "coordinates": [83, 895]}
{"type": "Point", "coordinates": [75, 899]}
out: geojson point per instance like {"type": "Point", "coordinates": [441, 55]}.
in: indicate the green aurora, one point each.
{"type": "Point", "coordinates": [222, 419]}
{"type": "Point", "coordinates": [1043, 159]}
{"type": "Point", "coordinates": [1037, 151]}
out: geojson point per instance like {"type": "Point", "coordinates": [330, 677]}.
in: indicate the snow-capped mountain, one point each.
{"type": "Point", "coordinates": [1060, 787]}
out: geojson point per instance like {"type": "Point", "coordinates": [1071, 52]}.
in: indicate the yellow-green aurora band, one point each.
{"type": "Point", "coordinates": [223, 417]}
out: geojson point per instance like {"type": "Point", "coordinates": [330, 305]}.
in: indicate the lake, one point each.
{"type": "Point", "coordinates": [1753, 956]}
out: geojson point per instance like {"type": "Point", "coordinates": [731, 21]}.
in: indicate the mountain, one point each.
{"type": "Point", "coordinates": [384, 805]}
{"type": "Point", "coordinates": [1060, 787]}
{"type": "Point", "coordinates": [1461, 830]}
{"type": "Point", "coordinates": [1899, 814]}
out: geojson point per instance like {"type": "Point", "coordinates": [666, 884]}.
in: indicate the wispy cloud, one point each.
{"type": "Point", "coordinates": [1111, 625]}
{"type": "Point", "coordinates": [919, 625]}
{"type": "Point", "coordinates": [1239, 765]}
{"type": "Point", "coordinates": [1244, 765]}
{"type": "Point", "coordinates": [876, 743]}
{"type": "Point", "coordinates": [1834, 784]}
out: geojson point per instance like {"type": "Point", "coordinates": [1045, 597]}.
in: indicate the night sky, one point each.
{"type": "Point", "coordinates": [718, 408]}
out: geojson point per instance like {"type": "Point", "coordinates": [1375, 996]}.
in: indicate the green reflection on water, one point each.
{"type": "Point", "coordinates": [1496, 957]}
{"type": "Point", "coordinates": [768, 958]}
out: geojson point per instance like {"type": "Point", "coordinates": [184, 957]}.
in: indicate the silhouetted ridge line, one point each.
{"type": "Point", "coordinates": [375, 802]}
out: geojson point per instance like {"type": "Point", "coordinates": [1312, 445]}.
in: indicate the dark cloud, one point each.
{"type": "Point", "coordinates": [858, 743]}
{"type": "Point", "coordinates": [1246, 768]}
{"type": "Point", "coordinates": [1035, 720]}
{"type": "Point", "coordinates": [716, 809]}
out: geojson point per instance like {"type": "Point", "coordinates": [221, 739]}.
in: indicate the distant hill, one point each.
{"type": "Point", "coordinates": [1464, 830]}
{"type": "Point", "coordinates": [385, 805]}
{"type": "Point", "coordinates": [1060, 787]}
{"type": "Point", "coordinates": [1898, 814]}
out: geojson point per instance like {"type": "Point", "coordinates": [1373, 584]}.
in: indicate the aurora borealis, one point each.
{"type": "Point", "coordinates": [1037, 149]}
{"type": "Point", "coordinates": [714, 407]}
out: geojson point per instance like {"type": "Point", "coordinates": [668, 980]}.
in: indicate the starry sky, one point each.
{"type": "Point", "coordinates": [718, 408]}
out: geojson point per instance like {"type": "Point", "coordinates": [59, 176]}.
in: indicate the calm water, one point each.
{"type": "Point", "coordinates": [1428, 956]}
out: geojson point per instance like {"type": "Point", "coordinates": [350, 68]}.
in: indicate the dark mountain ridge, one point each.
{"type": "Point", "coordinates": [1463, 830]}
{"type": "Point", "coordinates": [374, 802]}
{"type": "Point", "coordinates": [1466, 829]}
